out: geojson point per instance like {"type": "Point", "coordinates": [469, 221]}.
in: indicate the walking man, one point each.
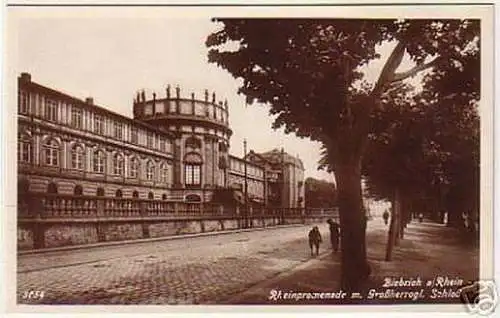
{"type": "Point", "coordinates": [386, 217]}
{"type": "Point", "coordinates": [314, 240]}
{"type": "Point", "coordinates": [334, 234]}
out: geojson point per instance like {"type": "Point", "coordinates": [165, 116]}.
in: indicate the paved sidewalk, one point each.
{"type": "Point", "coordinates": [428, 251]}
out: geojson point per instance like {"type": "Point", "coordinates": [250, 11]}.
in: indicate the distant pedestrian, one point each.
{"type": "Point", "coordinates": [385, 216]}
{"type": "Point", "coordinates": [334, 234]}
{"type": "Point", "coordinates": [420, 217]}
{"type": "Point", "coordinates": [314, 239]}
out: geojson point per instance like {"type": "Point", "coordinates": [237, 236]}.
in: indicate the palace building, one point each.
{"type": "Point", "coordinates": [174, 149]}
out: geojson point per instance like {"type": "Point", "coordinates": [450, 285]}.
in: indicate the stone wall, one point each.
{"type": "Point", "coordinates": [77, 233]}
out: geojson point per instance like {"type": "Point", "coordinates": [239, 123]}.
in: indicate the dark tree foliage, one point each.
{"type": "Point", "coordinates": [304, 69]}
{"type": "Point", "coordinates": [319, 193]}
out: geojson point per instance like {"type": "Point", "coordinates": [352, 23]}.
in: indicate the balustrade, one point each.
{"type": "Point", "coordinates": [57, 206]}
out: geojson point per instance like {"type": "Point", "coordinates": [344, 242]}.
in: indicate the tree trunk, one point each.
{"type": "Point", "coordinates": [455, 218]}
{"type": "Point", "coordinates": [397, 217]}
{"type": "Point", "coordinates": [354, 266]}
{"type": "Point", "coordinates": [403, 217]}
{"type": "Point", "coordinates": [393, 228]}
{"type": "Point", "coordinates": [391, 234]}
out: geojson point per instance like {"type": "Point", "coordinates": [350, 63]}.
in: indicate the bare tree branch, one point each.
{"type": "Point", "coordinates": [359, 133]}
{"type": "Point", "coordinates": [389, 69]}
{"type": "Point", "coordinates": [414, 71]}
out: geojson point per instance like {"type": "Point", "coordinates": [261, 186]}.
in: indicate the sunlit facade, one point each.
{"type": "Point", "coordinates": [174, 149]}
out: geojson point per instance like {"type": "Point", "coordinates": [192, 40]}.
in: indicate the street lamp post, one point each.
{"type": "Point", "coordinates": [245, 182]}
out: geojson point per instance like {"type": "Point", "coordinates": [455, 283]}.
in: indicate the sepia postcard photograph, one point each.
{"type": "Point", "coordinates": [168, 157]}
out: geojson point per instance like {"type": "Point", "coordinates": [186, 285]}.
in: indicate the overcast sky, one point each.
{"type": "Point", "coordinates": [112, 57]}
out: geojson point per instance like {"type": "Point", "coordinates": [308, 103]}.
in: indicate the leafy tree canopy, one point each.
{"type": "Point", "coordinates": [319, 193]}
{"type": "Point", "coordinates": [305, 69]}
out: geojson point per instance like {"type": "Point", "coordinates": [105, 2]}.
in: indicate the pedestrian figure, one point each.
{"type": "Point", "coordinates": [420, 217]}
{"type": "Point", "coordinates": [314, 239]}
{"type": "Point", "coordinates": [334, 234]}
{"type": "Point", "coordinates": [386, 217]}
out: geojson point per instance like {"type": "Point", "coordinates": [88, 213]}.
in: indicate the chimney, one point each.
{"type": "Point", "coordinates": [89, 100]}
{"type": "Point", "coordinates": [26, 77]}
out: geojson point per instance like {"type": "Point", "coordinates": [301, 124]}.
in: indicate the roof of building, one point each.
{"type": "Point", "coordinates": [277, 156]}
{"type": "Point", "coordinates": [251, 163]}
{"type": "Point", "coordinates": [82, 103]}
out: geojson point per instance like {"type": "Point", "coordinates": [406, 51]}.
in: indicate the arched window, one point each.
{"type": "Point", "coordinates": [151, 196]}
{"type": "Point", "coordinates": [77, 157]}
{"type": "Point", "coordinates": [24, 148]}
{"type": "Point", "coordinates": [51, 151]}
{"type": "Point", "coordinates": [99, 161]}
{"type": "Point", "coordinates": [52, 188]}
{"type": "Point", "coordinates": [118, 193]}
{"type": "Point", "coordinates": [164, 173]}
{"type": "Point", "coordinates": [192, 169]}
{"type": "Point", "coordinates": [150, 171]}
{"type": "Point", "coordinates": [78, 190]}
{"type": "Point", "coordinates": [135, 194]}
{"type": "Point", "coordinates": [134, 168]}
{"type": "Point", "coordinates": [100, 192]}
{"type": "Point", "coordinates": [118, 164]}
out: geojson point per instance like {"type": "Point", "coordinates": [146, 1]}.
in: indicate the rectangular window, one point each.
{"type": "Point", "coordinates": [77, 159]}
{"type": "Point", "coordinates": [134, 137]}
{"type": "Point", "coordinates": [118, 165]}
{"type": "Point", "coordinates": [149, 141]}
{"type": "Point", "coordinates": [192, 174]}
{"type": "Point", "coordinates": [99, 162]}
{"type": "Point", "coordinates": [134, 168]}
{"type": "Point", "coordinates": [163, 174]}
{"type": "Point", "coordinates": [24, 151]}
{"type": "Point", "coordinates": [24, 102]}
{"type": "Point", "coordinates": [76, 117]}
{"type": "Point", "coordinates": [118, 130]}
{"type": "Point", "coordinates": [51, 157]}
{"type": "Point", "coordinates": [162, 144]}
{"type": "Point", "coordinates": [39, 108]}
{"type": "Point", "coordinates": [51, 110]}
{"type": "Point", "coordinates": [150, 172]}
{"type": "Point", "coordinates": [98, 124]}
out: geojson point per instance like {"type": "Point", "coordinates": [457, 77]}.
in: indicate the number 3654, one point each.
{"type": "Point", "coordinates": [33, 294]}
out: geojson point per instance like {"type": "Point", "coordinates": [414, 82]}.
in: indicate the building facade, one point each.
{"type": "Point", "coordinates": [174, 149]}
{"type": "Point", "coordinates": [284, 178]}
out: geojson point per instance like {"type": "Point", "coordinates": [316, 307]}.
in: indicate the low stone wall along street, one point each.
{"type": "Point", "coordinates": [46, 221]}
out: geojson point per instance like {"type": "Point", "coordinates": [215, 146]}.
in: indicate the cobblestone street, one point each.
{"type": "Point", "coordinates": [197, 270]}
